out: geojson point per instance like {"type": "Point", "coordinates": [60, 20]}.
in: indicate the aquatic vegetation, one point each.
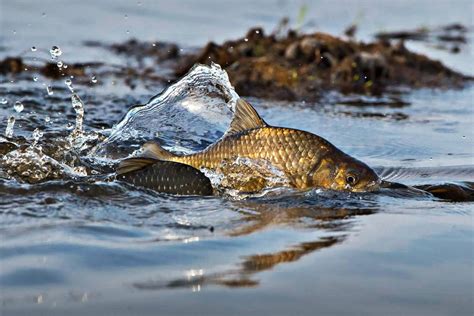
{"type": "Point", "coordinates": [306, 66]}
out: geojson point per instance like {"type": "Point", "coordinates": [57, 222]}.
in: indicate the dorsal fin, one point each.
{"type": "Point", "coordinates": [133, 164]}
{"type": "Point", "coordinates": [245, 118]}
{"type": "Point", "coordinates": [155, 151]}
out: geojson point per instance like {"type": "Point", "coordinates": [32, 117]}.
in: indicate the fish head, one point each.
{"type": "Point", "coordinates": [353, 175]}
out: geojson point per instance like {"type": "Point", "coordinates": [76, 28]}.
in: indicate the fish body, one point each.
{"type": "Point", "coordinates": [306, 160]}
{"type": "Point", "coordinates": [164, 176]}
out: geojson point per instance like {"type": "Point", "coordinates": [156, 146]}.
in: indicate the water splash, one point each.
{"type": "Point", "coordinates": [37, 134]}
{"type": "Point", "coordinates": [78, 107]}
{"type": "Point", "coordinates": [9, 129]}
{"type": "Point", "coordinates": [189, 115]}
{"type": "Point", "coordinates": [243, 177]}
{"type": "Point", "coordinates": [31, 165]}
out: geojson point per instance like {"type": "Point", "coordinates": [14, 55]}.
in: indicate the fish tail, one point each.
{"type": "Point", "coordinates": [155, 151]}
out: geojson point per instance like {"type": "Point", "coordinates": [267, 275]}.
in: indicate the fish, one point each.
{"type": "Point", "coordinates": [306, 160]}
{"type": "Point", "coordinates": [164, 176]}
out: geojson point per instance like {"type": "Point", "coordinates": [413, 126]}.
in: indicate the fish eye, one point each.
{"type": "Point", "coordinates": [351, 179]}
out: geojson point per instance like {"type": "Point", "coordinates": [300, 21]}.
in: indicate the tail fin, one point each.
{"type": "Point", "coordinates": [155, 151]}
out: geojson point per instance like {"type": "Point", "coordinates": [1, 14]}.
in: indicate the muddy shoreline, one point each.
{"type": "Point", "coordinates": [289, 66]}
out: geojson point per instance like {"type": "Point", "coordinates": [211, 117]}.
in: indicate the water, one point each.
{"type": "Point", "coordinates": [75, 243]}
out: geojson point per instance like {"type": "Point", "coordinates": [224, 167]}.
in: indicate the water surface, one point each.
{"type": "Point", "coordinates": [79, 246]}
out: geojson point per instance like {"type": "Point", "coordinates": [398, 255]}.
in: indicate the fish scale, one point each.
{"type": "Point", "coordinates": [279, 146]}
{"type": "Point", "coordinates": [169, 177]}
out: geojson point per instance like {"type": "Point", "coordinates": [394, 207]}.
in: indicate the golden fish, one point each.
{"type": "Point", "coordinates": [305, 159]}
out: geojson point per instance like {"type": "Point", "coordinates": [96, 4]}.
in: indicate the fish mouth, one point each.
{"type": "Point", "coordinates": [369, 187]}
{"type": "Point", "coordinates": [373, 186]}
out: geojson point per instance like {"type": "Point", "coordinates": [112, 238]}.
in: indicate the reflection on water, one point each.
{"type": "Point", "coordinates": [257, 217]}
{"type": "Point", "coordinates": [242, 276]}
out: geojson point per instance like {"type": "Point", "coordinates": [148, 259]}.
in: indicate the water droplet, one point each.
{"type": "Point", "coordinates": [33, 49]}
{"type": "Point", "coordinates": [60, 64]}
{"type": "Point", "coordinates": [43, 14]}
{"type": "Point", "coordinates": [49, 89]}
{"type": "Point", "coordinates": [3, 101]}
{"type": "Point", "coordinates": [77, 103]}
{"type": "Point", "coordinates": [154, 44]}
{"type": "Point", "coordinates": [125, 16]}
{"type": "Point", "coordinates": [68, 83]}
{"type": "Point", "coordinates": [35, 78]}
{"type": "Point", "coordinates": [37, 134]}
{"type": "Point", "coordinates": [246, 39]}
{"type": "Point", "coordinates": [139, 3]}
{"type": "Point", "coordinates": [18, 106]}
{"type": "Point", "coordinates": [64, 66]}
{"type": "Point", "coordinates": [128, 32]}
{"type": "Point", "coordinates": [10, 124]}
{"type": "Point", "coordinates": [94, 79]}
{"type": "Point", "coordinates": [78, 107]}
{"type": "Point", "coordinates": [70, 126]}
{"type": "Point", "coordinates": [47, 119]}
{"type": "Point", "coordinates": [14, 32]}
{"type": "Point", "coordinates": [81, 171]}
{"type": "Point", "coordinates": [55, 52]}
{"type": "Point", "coordinates": [257, 31]}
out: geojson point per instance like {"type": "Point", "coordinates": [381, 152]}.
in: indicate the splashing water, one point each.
{"type": "Point", "coordinates": [33, 164]}
{"type": "Point", "coordinates": [9, 129]}
{"type": "Point", "coordinates": [187, 116]}
{"type": "Point", "coordinates": [37, 134]}
{"type": "Point", "coordinates": [78, 107]}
